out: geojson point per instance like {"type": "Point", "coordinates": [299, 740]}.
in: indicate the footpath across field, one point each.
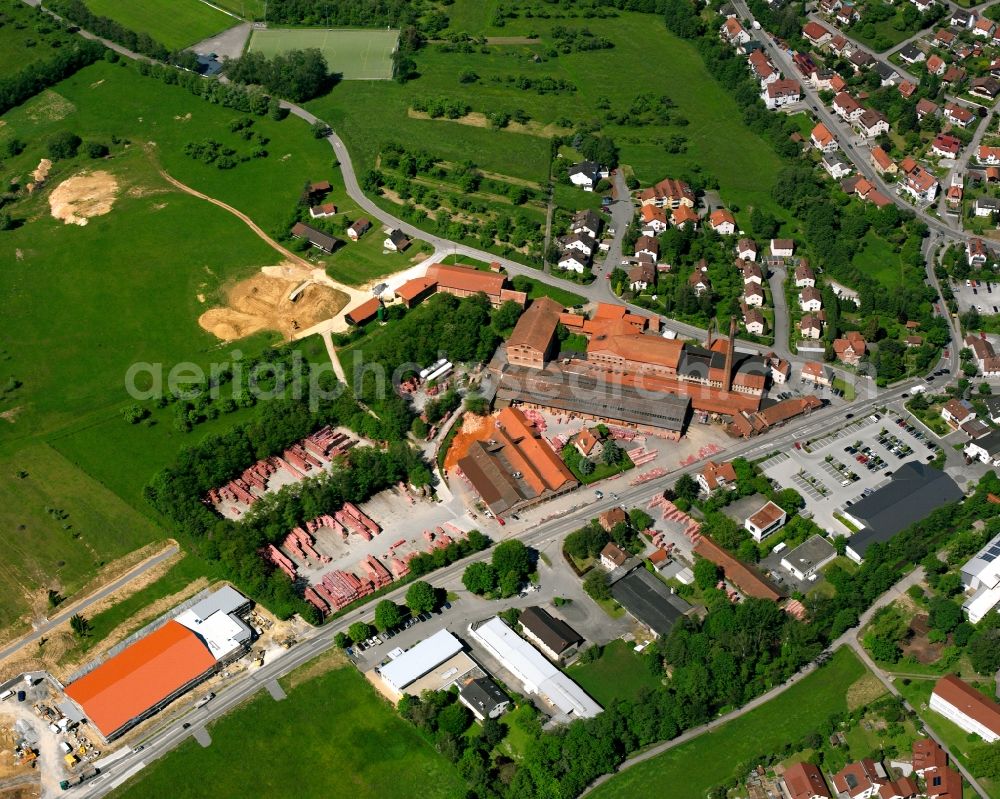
{"type": "Point", "coordinates": [353, 54]}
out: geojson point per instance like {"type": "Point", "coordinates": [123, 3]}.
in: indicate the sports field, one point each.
{"type": "Point", "coordinates": [353, 54]}
{"type": "Point", "coordinates": [176, 24]}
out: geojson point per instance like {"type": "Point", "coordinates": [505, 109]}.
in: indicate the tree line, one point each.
{"type": "Point", "coordinates": [107, 28]}
{"type": "Point", "coordinates": [38, 75]}
{"type": "Point", "coordinates": [297, 75]}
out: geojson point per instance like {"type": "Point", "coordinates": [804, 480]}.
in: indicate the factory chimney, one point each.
{"type": "Point", "coordinates": [727, 380]}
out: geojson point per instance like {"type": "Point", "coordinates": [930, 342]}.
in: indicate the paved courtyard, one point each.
{"type": "Point", "coordinates": [984, 297]}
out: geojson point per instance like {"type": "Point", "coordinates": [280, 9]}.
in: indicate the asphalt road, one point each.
{"type": "Point", "coordinates": [83, 604]}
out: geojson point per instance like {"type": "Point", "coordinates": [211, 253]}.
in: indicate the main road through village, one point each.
{"type": "Point", "coordinates": [122, 765]}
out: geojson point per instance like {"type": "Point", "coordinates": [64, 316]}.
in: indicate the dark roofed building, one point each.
{"type": "Point", "coordinates": [317, 238]}
{"type": "Point", "coordinates": [553, 636]}
{"type": "Point", "coordinates": [649, 601]}
{"type": "Point", "coordinates": [484, 698]}
{"type": "Point", "coordinates": [915, 490]}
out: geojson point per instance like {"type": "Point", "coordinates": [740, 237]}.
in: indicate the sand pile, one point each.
{"type": "Point", "coordinates": [83, 196]}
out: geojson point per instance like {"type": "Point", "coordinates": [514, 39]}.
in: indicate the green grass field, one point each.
{"type": "Point", "coordinates": [876, 258]}
{"type": "Point", "coordinates": [353, 54]}
{"type": "Point", "coordinates": [28, 35]}
{"type": "Point", "coordinates": [57, 527]}
{"type": "Point", "coordinates": [693, 768]}
{"type": "Point", "coordinates": [176, 24]}
{"type": "Point", "coordinates": [368, 114]}
{"type": "Point", "coordinates": [618, 674]}
{"type": "Point", "coordinates": [333, 736]}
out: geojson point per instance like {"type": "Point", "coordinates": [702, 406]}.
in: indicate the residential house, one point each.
{"type": "Point", "coordinates": [699, 281]}
{"type": "Point", "coordinates": [753, 321]}
{"type": "Point", "coordinates": [716, 475]}
{"type": "Point", "coordinates": [957, 115]}
{"type": "Point", "coordinates": [851, 348]}
{"type": "Point", "coordinates": [358, 229]}
{"type": "Point", "coordinates": [860, 60]}
{"type": "Point", "coordinates": [822, 78]}
{"type": "Point", "coordinates": [846, 107]}
{"type": "Point", "coordinates": [985, 449]}
{"type": "Point", "coordinates": [936, 65]}
{"type": "Point", "coordinates": [612, 556]}
{"type": "Point", "coordinates": [963, 705]}
{"type": "Point", "coordinates": [957, 412]}
{"type": "Point", "coordinates": [765, 521]}
{"type": "Point", "coordinates": [782, 248]}
{"type": "Point", "coordinates": [816, 34]}
{"type": "Point", "coordinates": [810, 327]}
{"type": "Point", "coordinates": [805, 781]}
{"type": "Point", "coordinates": [961, 18]}
{"type": "Point", "coordinates": [781, 93]}
{"type": "Point", "coordinates": [911, 54]}
{"type": "Point", "coordinates": [647, 245]}
{"type": "Point", "coordinates": [323, 211]}
{"type": "Point", "coordinates": [752, 273]}
{"type": "Point", "coordinates": [683, 215]}
{"type": "Point", "coordinates": [981, 348]}
{"type": "Point", "coordinates": [872, 123]}
{"type": "Point", "coordinates": [762, 68]}
{"type": "Point", "coordinates": [839, 45]}
{"type": "Point", "coordinates": [943, 38]}
{"type": "Point", "coordinates": [822, 139]}
{"type": "Point", "coordinates": [946, 146]}
{"type": "Point", "coordinates": [931, 763]}
{"type": "Point", "coordinates": [804, 275]}
{"type": "Point", "coordinates": [918, 182]}
{"type": "Point", "coordinates": [817, 373]}
{"type": "Point", "coordinates": [734, 33]}
{"type": "Point", "coordinates": [668, 193]}
{"type": "Point", "coordinates": [810, 300]}
{"type": "Point", "coordinates": [923, 6]}
{"type": "Point", "coordinates": [587, 222]}
{"type": "Point", "coordinates": [484, 698]}
{"type": "Point", "coordinates": [722, 222]}
{"type": "Point", "coordinates": [906, 89]}
{"type": "Point", "coordinates": [573, 261]}
{"type": "Point", "coordinates": [953, 74]}
{"type": "Point", "coordinates": [746, 250]}
{"type": "Point", "coordinates": [987, 87]}
{"type": "Point", "coordinates": [860, 780]}
{"type": "Point", "coordinates": [988, 155]}
{"type": "Point", "coordinates": [986, 206]}
{"type": "Point", "coordinates": [581, 242]}
{"type": "Point", "coordinates": [984, 27]}
{"type": "Point", "coordinates": [881, 161]}
{"type": "Point", "coordinates": [781, 369]}
{"type": "Point", "coordinates": [586, 175]}
{"type": "Point", "coordinates": [396, 241]}
{"type": "Point", "coordinates": [847, 15]}
{"type": "Point", "coordinates": [926, 107]}
{"type": "Point", "coordinates": [753, 295]}
{"type": "Point", "coordinates": [886, 72]}
{"type": "Point", "coordinates": [976, 252]}
{"type": "Point", "coordinates": [992, 404]}
{"type": "Point", "coordinates": [642, 275]}
{"type": "Point", "coordinates": [654, 220]}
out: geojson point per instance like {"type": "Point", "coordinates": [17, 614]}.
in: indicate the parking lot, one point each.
{"type": "Point", "coordinates": [984, 297]}
{"type": "Point", "coordinates": [835, 471]}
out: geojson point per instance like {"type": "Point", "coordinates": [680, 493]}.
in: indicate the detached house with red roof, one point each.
{"type": "Point", "coordinates": [668, 193]}
{"type": "Point", "coordinates": [984, 27]}
{"type": "Point", "coordinates": [936, 65]}
{"type": "Point", "coordinates": [805, 781]}
{"type": "Point", "coordinates": [733, 32]}
{"type": "Point", "coordinates": [851, 348]}
{"type": "Point", "coordinates": [860, 780]}
{"type": "Point", "coordinates": [804, 275]}
{"type": "Point", "coordinates": [975, 252]}
{"type": "Point", "coordinates": [683, 215]}
{"type": "Point", "coordinates": [822, 139]}
{"type": "Point", "coordinates": [918, 182]}
{"type": "Point", "coordinates": [846, 107]}
{"type": "Point", "coordinates": [957, 115]}
{"type": "Point", "coordinates": [946, 146]}
{"type": "Point", "coordinates": [746, 250]}
{"type": "Point", "coordinates": [654, 220]}
{"type": "Point", "coordinates": [716, 475]}
{"type": "Point", "coordinates": [880, 159]}
{"type": "Point", "coordinates": [762, 68]}
{"type": "Point", "coordinates": [816, 34]}
{"type": "Point", "coordinates": [781, 93]}
{"type": "Point", "coordinates": [722, 222]}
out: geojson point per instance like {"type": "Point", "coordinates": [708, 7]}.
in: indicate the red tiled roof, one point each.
{"type": "Point", "coordinates": [412, 289]}
{"type": "Point", "coordinates": [465, 278]}
{"type": "Point", "coordinates": [141, 676]}
{"type": "Point", "coordinates": [969, 701]}
{"type": "Point", "coordinates": [804, 781]}
{"type": "Point", "coordinates": [363, 312]}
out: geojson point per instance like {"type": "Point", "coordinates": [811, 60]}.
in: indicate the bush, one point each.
{"type": "Point", "coordinates": [97, 150]}
{"type": "Point", "coordinates": [63, 145]}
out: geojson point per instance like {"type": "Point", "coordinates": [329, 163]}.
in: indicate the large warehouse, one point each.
{"type": "Point", "coordinates": [147, 675]}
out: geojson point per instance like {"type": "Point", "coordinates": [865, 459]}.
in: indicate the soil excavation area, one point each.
{"type": "Point", "coordinates": [81, 197]}
{"type": "Point", "coordinates": [264, 302]}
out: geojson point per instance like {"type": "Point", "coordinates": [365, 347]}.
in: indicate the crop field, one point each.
{"type": "Point", "coordinates": [696, 766]}
{"type": "Point", "coordinates": [58, 526]}
{"type": "Point", "coordinates": [370, 114]}
{"type": "Point", "coordinates": [333, 728]}
{"type": "Point", "coordinates": [176, 24]}
{"type": "Point", "coordinates": [353, 54]}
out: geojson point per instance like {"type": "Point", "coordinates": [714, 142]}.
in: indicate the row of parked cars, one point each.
{"type": "Point", "coordinates": [381, 638]}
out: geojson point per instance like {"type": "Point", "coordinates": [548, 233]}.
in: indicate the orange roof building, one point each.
{"type": "Point", "coordinates": [142, 679]}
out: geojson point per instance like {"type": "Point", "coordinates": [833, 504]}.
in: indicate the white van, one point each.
{"type": "Point", "coordinates": [6, 695]}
